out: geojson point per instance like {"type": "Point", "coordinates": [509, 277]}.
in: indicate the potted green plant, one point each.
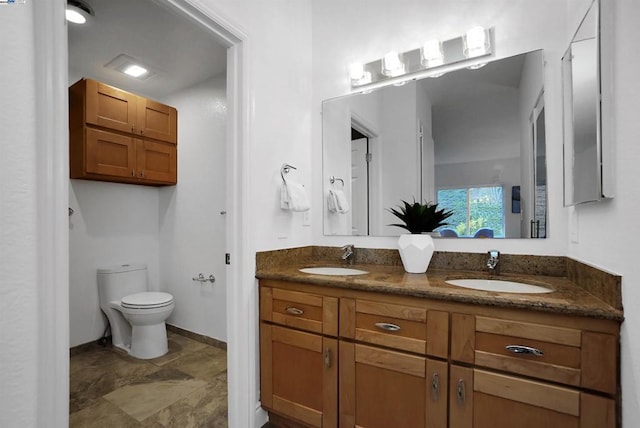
{"type": "Point", "coordinates": [420, 219]}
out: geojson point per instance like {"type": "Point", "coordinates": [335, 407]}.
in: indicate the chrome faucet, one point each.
{"type": "Point", "coordinates": [349, 253]}
{"type": "Point", "coordinates": [492, 262]}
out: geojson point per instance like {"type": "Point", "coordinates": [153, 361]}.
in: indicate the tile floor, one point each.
{"type": "Point", "coordinates": [185, 388]}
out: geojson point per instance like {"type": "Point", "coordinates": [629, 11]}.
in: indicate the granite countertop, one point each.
{"type": "Point", "coordinates": [567, 297]}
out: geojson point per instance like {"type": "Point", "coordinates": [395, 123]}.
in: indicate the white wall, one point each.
{"type": "Point", "coordinates": [339, 40]}
{"type": "Point", "coordinates": [19, 373]}
{"type": "Point", "coordinates": [192, 235]}
{"type": "Point", "coordinates": [607, 231]}
{"type": "Point", "coordinates": [399, 155]}
{"type": "Point", "coordinates": [112, 223]}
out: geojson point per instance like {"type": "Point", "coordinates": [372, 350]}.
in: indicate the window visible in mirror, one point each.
{"type": "Point", "coordinates": [474, 208]}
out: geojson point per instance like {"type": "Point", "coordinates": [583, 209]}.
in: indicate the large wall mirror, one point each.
{"type": "Point", "coordinates": [583, 149]}
{"type": "Point", "coordinates": [472, 140]}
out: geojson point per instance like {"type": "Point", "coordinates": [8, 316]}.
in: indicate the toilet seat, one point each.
{"type": "Point", "coordinates": [147, 300]}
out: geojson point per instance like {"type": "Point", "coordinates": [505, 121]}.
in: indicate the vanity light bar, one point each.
{"type": "Point", "coordinates": [475, 43]}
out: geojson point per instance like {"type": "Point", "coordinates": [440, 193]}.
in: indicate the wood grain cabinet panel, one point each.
{"type": "Point", "coordinates": [109, 154]}
{"type": "Point", "coordinates": [298, 375]}
{"type": "Point", "coordinates": [483, 399]}
{"type": "Point", "coordinates": [355, 359]}
{"type": "Point", "coordinates": [157, 121]}
{"type": "Point", "coordinates": [103, 120]}
{"type": "Point", "coordinates": [402, 327]}
{"type": "Point", "coordinates": [380, 388]}
{"type": "Point", "coordinates": [109, 107]}
{"type": "Point", "coordinates": [545, 351]}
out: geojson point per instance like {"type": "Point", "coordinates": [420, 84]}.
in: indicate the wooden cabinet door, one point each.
{"type": "Point", "coordinates": [299, 375]}
{"type": "Point", "coordinates": [157, 121]}
{"type": "Point", "coordinates": [482, 399]}
{"type": "Point", "coordinates": [156, 161]}
{"type": "Point", "coordinates": [380, 388]}
{"type": "Point", "coordinates": [109, 154]}
{"type": "Point", "coordinates": [110, 107]}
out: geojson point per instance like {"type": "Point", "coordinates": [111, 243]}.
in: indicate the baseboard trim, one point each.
{"type": "Point", "coordinates": [198, 337]}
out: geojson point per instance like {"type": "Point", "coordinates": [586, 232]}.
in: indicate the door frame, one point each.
{"type": "Point", "coordinates": [52, 197]}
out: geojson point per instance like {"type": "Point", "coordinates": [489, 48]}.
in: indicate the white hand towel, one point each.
{"type": "Point", "coordinates": [342, 204]}
{"type": "Point", "coordinates": [294, 197]}
{"type": "Point", "coordinates": [332, 202]}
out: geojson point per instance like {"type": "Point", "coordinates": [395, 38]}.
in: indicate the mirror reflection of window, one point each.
{"type": "Point", "coordinates": [475, 209]}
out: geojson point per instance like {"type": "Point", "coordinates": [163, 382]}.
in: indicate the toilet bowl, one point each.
{"type": "Point", "coordinates": [136, 316]}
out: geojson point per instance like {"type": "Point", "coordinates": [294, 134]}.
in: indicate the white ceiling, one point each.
{"type": "Point", "coordinates": [178, 50]}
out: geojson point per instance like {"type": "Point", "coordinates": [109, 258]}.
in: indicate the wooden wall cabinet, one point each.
{"type": "Point", "coordinates": [119, 136]}
{"type": "Point", "coordinates": [408, 362]}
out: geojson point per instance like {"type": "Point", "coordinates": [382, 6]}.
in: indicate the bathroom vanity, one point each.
{"type": "Point", "coordinates": [390, 349]}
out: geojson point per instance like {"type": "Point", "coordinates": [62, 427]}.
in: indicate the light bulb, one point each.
{"type": "Point", "coordinates": [392, 64]}
{"type": "Point", "coordinates": [431, 53]}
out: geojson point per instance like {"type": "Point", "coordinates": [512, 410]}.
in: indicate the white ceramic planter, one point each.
{"type": "Point", "coordinates": [415, 251]}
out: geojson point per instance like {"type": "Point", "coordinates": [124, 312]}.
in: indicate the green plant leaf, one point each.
{"type": "Point", "coordinates": [420, 217]}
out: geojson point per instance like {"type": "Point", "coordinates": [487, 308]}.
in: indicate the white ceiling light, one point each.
{"type": "Point", "coordinates": [392, 64]}
{"type": "Point", "coordinates": [131, 67]}
{"type": "Point", "coordinates": [77, 12]}
{"type": "Point", "coordinates": [135, 70]}
{"type": "Point", "coordinates": [431, 54]}
{"type": "Point", "coordinates": [359, 76]}
{"type": "Point", "coordinates": [476, 42]}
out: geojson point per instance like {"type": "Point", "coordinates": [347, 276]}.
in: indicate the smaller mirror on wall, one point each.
{"type": "Point", "coordinates": [472, 140]}
{"type": "Point", "coordinates": [585, 162]}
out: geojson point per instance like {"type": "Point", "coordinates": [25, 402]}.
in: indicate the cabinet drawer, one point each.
{"type": "Point", "coordinates": [481, 398]}
{"type": "Point", "coordinates": [565, 355]}
{"type": "Point", "coordinates": [304, 311]}
{"type": "Point", "coordinates": [406, 328]}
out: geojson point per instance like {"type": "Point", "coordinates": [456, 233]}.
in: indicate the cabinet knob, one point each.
{"type": "Point", "coordinates": [435, 386]}
{"type": "Point", "coordinates": [133, 172]}
{"type": "Point", "coordinates": [327, 358]}
{"type": "Point", "coordinates": [142, 174]}
{"type": "Point", "coordinates": [460, 392]}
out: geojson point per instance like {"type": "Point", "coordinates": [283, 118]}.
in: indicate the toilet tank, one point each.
{"type": "Point", "coordinates": [116, 282]}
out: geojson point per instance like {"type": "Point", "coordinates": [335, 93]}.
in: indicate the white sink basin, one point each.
{"type": "Point", "coordinates": [335, 271]}
{"type": "Point", "coordinates": [499, 286]}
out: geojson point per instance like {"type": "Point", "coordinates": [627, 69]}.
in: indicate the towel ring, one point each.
{"type": "Point", "coordinates": [333, 179]}
{"type": "Point", "coordinates": [285, 170]}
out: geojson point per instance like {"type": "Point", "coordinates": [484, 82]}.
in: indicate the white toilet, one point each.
{"type": "Point", "coordinates": [136, 316]}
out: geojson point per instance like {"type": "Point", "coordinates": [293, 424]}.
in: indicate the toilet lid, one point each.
{"type": "Point", "coordinates": [148, 299]}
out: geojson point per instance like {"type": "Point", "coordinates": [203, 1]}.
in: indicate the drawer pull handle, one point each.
{"type": "Point", "coordinates": [435, 386]}
{"type": "Point", "coordinates": [327, 358]}
{"type": "Point", "coordinates": [294, 311]}
{"type": "Point", "coordinates": [460, 392]}
{"type": "Point", "coordinates": [387, 326]}
{"type": "Point", "coordinates": [526, 350]}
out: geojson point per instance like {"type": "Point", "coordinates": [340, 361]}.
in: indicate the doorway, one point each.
{"type": "Point", "coordinates": [227, 218]}
{"type": "Point", "coordinates": [360, 158]}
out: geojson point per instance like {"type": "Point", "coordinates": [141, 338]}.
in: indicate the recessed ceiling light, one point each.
{"type": "Point", "coordinates": [77, 11]}
{"type": "Point", "coordinates": [131, 67]}
{"type": "Point", "coordinates": [135, 70]}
